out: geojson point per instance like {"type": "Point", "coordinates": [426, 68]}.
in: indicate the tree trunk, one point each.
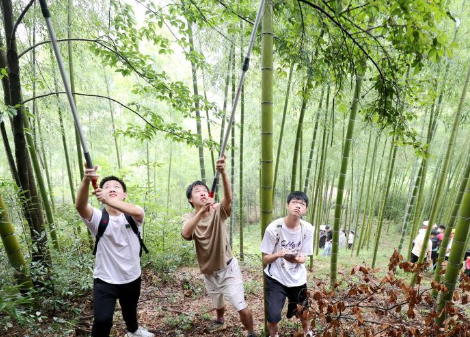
{"type": "Point", "coordinates": [443, 176]}
{"type": "Point", "coordinates": [318, 200]}
{"type": "Point", "coordinates": [462, 194]}
{"type": "Point", "coordinates": [281, 134]}
{"type": "Point", "coordinates": [13, 250]}
{"type": "Point", "coordinates": [9, 154]}
{"type": "Point", "coordinates": [6, 90]}
{"type": "Point", "coordinates": [232, 152]}
{"type": "Point", "coordinates": [266, 181]}
{"type": "Point", "coordinates": [208, 123]}
{"type": "Point", "coordinates": [305, 96]}
{"type": "Point", "coordinates": [312, 146]}
{"type": "Point", "coordinates": [388, 176]}
{"type": "Point", "coordinates": [456, 253]}
{"type": "Point", "coordinates": [62, 133]}
{"type": "Point", "coordinates": [42, 187]}
{"type": "Point", "coordinates": [113, 124]}
{"type": "Point", "coordinates": [240, 168]}
{"type": "Point", "coordinates": [38, 120]}
{"type": "Point", "coordinates": [227, 83]}
{"type": "Point", "coordinates": [342, 181]}
{"type": "Point", "coordinates": [72, 85]}
{"type": "Point", "coordinates": [196, 103]}
{"type": "Point", "coordinates": [31, 203]}
{"type": "Point", "coordinates": [359, 201]}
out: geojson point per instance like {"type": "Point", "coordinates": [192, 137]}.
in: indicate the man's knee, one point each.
{"type": "Point", "coordinates": [245, 311]}
{"type": "Point", "coordinates": [102, 325]}
{"type": "Point", "coordinates": [103, 319]}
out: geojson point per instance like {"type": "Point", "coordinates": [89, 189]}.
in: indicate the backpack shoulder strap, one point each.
{"type": "Point", "coordinates": [133, 225]}
{"type": "Point", "coordinates": [101, 228]}
{"type": "Point", "coordinates": [278, 232]}
{"type": "Point", "coordinates": [302, 235]}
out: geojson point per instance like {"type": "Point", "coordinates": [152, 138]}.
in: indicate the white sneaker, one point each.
{"type": "Point", "coordinates": [140, 332]}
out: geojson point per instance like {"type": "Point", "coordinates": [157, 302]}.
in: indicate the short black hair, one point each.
{"type": "Point", "coordinates": [108, 178]}
{"type": "Point", "coordinates": [297, 195]}
{"type": "Point", "coordinates": [434, 232]}
{"type": "Point", "coordinates": [442, 227]}
{"type": "Point", "coordinates": [189, 190]}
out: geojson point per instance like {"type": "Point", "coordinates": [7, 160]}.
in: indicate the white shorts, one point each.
{"type": "Point", "coordinates": [227, 283]}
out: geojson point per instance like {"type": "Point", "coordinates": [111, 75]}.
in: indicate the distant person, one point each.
{"type": "Point", "coordinates": [435, 246]}
{"type": "Point", "coordinates": [207, 227]}
{"type": "Point", "coordinates": [321, 241]}
{"type": "Point", "coordinates": [350, 238]}
{"type": "Point", "coordinates": [342, 239]}
{"type": "Point", "coordinates": [117, 264]}
{"type": "Point", "coordinates": [442, 230]}
{"type": "Point", "coordinates": [449, 245]}
{"type": "Point", "coordinates": [286, 244]}
{"type": "Point", "coordinates": [328, 242]}
{"type": "Point", "coordinates": [418, 244]}
{"type": "Point", "coordinates": [467, 266]}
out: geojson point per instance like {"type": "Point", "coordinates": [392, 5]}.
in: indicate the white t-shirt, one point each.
{"type": "Point", "coordinates": [419, 242]}
{"type": "Point", "coordinates": [449, 246]}
{"type": "Point", "coordinates": [351, 238]}
{"type": "Point", "coordinates": [117, 256]}
{"type": "Point", "coordinates": [342, 239]}
{"type": "Point", "coordinates": [286, 273]}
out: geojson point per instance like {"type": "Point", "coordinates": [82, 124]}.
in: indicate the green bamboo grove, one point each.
{"type": "Point", "coordinates": [362, 106]}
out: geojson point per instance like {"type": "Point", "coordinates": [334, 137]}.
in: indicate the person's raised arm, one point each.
{"type": "Point", "coordinates": [127, 208]}
{"type": "Point", "coordinates": [226, 202]}
{"type": "Point", "coordinates": [190, 225]}
{"type": "Point", "coordinates": [81, 202]}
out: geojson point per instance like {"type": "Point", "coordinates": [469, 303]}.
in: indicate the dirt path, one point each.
{"type": "Point", "coordinates": [177, 305]}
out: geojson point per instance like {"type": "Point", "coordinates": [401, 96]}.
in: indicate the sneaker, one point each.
{"type": "Point", "coordinates": [309, 334]}
{"type": "Point", "coordinates": [140, 332]}
{"type": "Point", "coordinates": [217, 326]}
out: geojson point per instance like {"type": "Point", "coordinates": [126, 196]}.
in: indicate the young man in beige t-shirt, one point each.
{"type": "Point", "coordinates": [207, 227]}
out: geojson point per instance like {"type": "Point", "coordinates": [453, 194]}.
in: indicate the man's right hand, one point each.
{"type": "Point", "coordinates": [283, 252]}
{"type": "Point", "coordinates": [208, 203]}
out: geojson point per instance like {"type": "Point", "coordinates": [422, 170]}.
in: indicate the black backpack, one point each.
{"type": "Point", "coordinates": [104, 224]}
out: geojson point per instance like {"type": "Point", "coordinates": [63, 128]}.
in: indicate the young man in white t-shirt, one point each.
{"type": "Point", "coordinates": [117, 264]}
{"type": "Point", "coordinates": [286, 244]}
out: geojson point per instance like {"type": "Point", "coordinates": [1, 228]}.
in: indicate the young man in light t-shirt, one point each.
{"type": "Point", "coordinates": [286, 244]}
{"type": "Point", "coordinates": [418, 244]}
{"type": "Point", "coordinates": [117, 264]}
{"type": "Point", "coordinates": [207, 227]}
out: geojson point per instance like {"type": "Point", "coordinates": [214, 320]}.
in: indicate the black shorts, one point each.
{"type": "Point", "coordinates": [276, 294]}
{"type": "Point", "coordinates": [414, 258]}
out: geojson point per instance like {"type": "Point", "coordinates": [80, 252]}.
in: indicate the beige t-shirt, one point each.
{"type": "Point", "coordinates": [211, 239]}
{"type": "Point", "coordinates": [419, 242]}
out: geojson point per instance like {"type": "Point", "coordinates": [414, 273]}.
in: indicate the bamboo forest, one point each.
{"type": "Point", "coordinates": [235, 168]}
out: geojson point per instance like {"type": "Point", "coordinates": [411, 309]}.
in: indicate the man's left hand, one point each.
{"type": "Point", "coordinates": [100, 195]}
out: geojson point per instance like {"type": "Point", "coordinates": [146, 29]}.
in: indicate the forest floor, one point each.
{"type": "Point", "coordinates": [171, 304]}
{"type": "Point", "coordinates": [176, 304]}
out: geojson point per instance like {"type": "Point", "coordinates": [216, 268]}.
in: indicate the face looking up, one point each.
{"type": "Point", "coordinates": [114, 189]}
{"type": "Point", "coordinates": [199, 195]}
{"type": "Point", "coordinates": [296, 207]}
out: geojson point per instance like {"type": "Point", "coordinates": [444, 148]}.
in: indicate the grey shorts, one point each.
{"type": "Point", "coordinates": [226, 283]}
